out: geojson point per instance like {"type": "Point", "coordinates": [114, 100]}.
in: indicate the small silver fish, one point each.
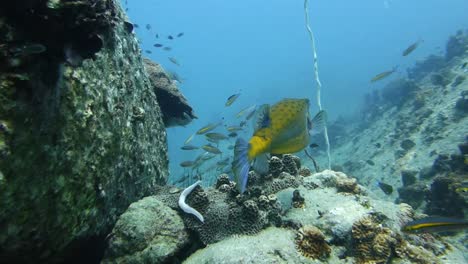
{"type": "Point", "coordinates": [173, 60]}
{"type": "Point", "coordinates": [383, 75]}
{"type": "Point", "coordinates": [233, 128]}
{"type": "Point", "coordinates": [187, 163]}
{"type": "Point", "coordinates": [216, 136]}
{"type": "Point", "coordinates": [208, 128]}
{"type": "Point", "coordinates": [189, 147]}
{"type": "Point", "coordinates": [211, 149]}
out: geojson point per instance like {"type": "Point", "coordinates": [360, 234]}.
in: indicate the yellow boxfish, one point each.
{"type": "Point", "coordinates": [282, 128]}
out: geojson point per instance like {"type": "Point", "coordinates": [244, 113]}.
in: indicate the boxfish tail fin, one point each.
{"type": "Point", "coordinates": [240, 164]}
{"type": "Point", "coordinates": [319, 121]}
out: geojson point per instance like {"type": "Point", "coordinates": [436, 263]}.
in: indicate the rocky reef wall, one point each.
{"type": "Point", "coordinates": [412, 135]}
{"type": "Point", "coordinates": [81, 131]}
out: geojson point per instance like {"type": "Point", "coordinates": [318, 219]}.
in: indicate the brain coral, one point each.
{"type": "Point", "coordinates": [311, 243]}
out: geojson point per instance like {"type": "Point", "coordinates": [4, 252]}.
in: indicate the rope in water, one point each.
{"type": "Point", "coordinates": [317, 79]}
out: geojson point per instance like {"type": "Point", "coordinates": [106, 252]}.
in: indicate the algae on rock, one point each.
{"type": "Point", "coordinates": [85, 133]}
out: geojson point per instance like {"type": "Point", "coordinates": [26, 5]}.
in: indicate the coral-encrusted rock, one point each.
{"type": "Point", "coordinates": [408, 177]}
{"type": "Point", "coordinates": [174, 106]}
{"type": "Point", "coordinates": [86, 132]}
{"type": "Point", "coordinates": [225, 214]}
{"type": "Point", "coordinates": [407, 144]}
{"type": "Point", "coordinates": [251, 209]}
{"type": "Point", "coordinates": [297, 200]}
{"type": "Point", "coordinates": [372, 243]}
{"type": "Point", "coordinates": [397, 92]}
{"type": "Point", "coordinates": [285, 181]}
{"type": "Point", "coordinates": [304, 172]}
{"type": "Point", "coordinates": [290, 164]}
{"type": "Point", "coordinates": [311, 242]}
{"type": "Point", "coordinates": [444, 200]}
{"type": "Point", "coordinates": [276, 166]}
{"type": "Point", "coordinates": [457, 45]}
{"type": "Point", "coordinates": [348, 186]}
{"type": "Point", "coordinates": [222, 179]}
{"type": "Point", "coordinates": [148, 232]}
{"type": "Point", "coordinates": [413, 194]}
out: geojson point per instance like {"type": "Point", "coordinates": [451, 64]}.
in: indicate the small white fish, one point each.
{"type": "Point", "coordinates": [189, 139]}
{"type": "Point", "coordinates": [173, 60]}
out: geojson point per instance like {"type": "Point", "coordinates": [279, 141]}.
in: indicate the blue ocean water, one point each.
{"type": "Point", "coordinates": [261, 49]}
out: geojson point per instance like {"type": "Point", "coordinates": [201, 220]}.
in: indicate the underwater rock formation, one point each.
{"type": "Point", "coordinates": [444, 200]}
{"type": "Point", "coordinates": [174, 106]}
{"type": "Point", "coordinates": [82, 134]}
{"type": "Point", "coordinates": [148, 232]}
{"type": "Point", "coordinates": [227, 213]}
{"type": "Point", "coordinates": [423, 67]}
{"type": "Point", "coordinates": [457, 45]}
{"type": "Point", "coordinates": [408, 127]}
{"type": "Point", "coordinates": [398, 92]}
{"type": "Point", "coordinates": [374, 243]}
{"type": "Point", "coordinates": [333, 227]}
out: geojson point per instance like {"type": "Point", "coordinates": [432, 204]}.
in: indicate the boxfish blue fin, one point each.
{"type": "Point", "coordinates": [319, 120]}
{"type": "Point", "coordinates": [240, 164]}
{"type": "Point", "coordinates": [260, 164]}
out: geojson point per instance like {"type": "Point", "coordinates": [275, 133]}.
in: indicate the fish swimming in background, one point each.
{"type": "Point", "coordinates": [136, 25]}
{"type": "Point", "coordinates": [233, 128]}
{"type": "Point", "coordinates": [148, 26]}
{"type": "Point", "coordinates": [383, 75]}
{"type": "Point", "coordinates": [173, 60]}
{"type": "Point", "coordinates": [187, 163]}
{"type": "Point", "coordinates": [148, 51]}
{"type": "Point", "coordinates": [282, 128]}
{"type": "Point", "coordinates": [245, 110]}
{"type": "Point", "coordinates": [212, 140]}
{"type": "Point", "coordinates": [411, 48]}
{"type": "Point", "coordinates": [386, 188]}
{"type": "Point", "coordinates": [435, 224]}
{"type": "Point", "coordinates": [174, 76]}
{"type": "Point", "coordinates": [180, 34]}
{"type": "Point", "coordinates": [231, 99]}
{"type": "Point", "coordinates": [170, 37]}
{"type": "Point", "coordinates": [167, 48]}
{"type": "Point", "coordinates": [208, 128]}
{"type": "Point", "coordinates": [207, 156]}
{"type": "Point", "coordinates": [26, 49]}
{"type": "Point", "coordinates": [216, 136]}
{"type": "Point", "coordinates": [157, 45]}
{"type": "Point", "coordinates": [189, 139]}
{"type": "Point", "coordinates": [189, 147]}
{"type": "Point", "coordinates": [313, 145]}
{"type": "Point", "coordinates": [251, 113]}
{"type": "Point", "coordinates": [157, 36]}
{"type": "Point", "coordinates": [211, 149]}
{"type": "Point", "coordinates": [232, 134]}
